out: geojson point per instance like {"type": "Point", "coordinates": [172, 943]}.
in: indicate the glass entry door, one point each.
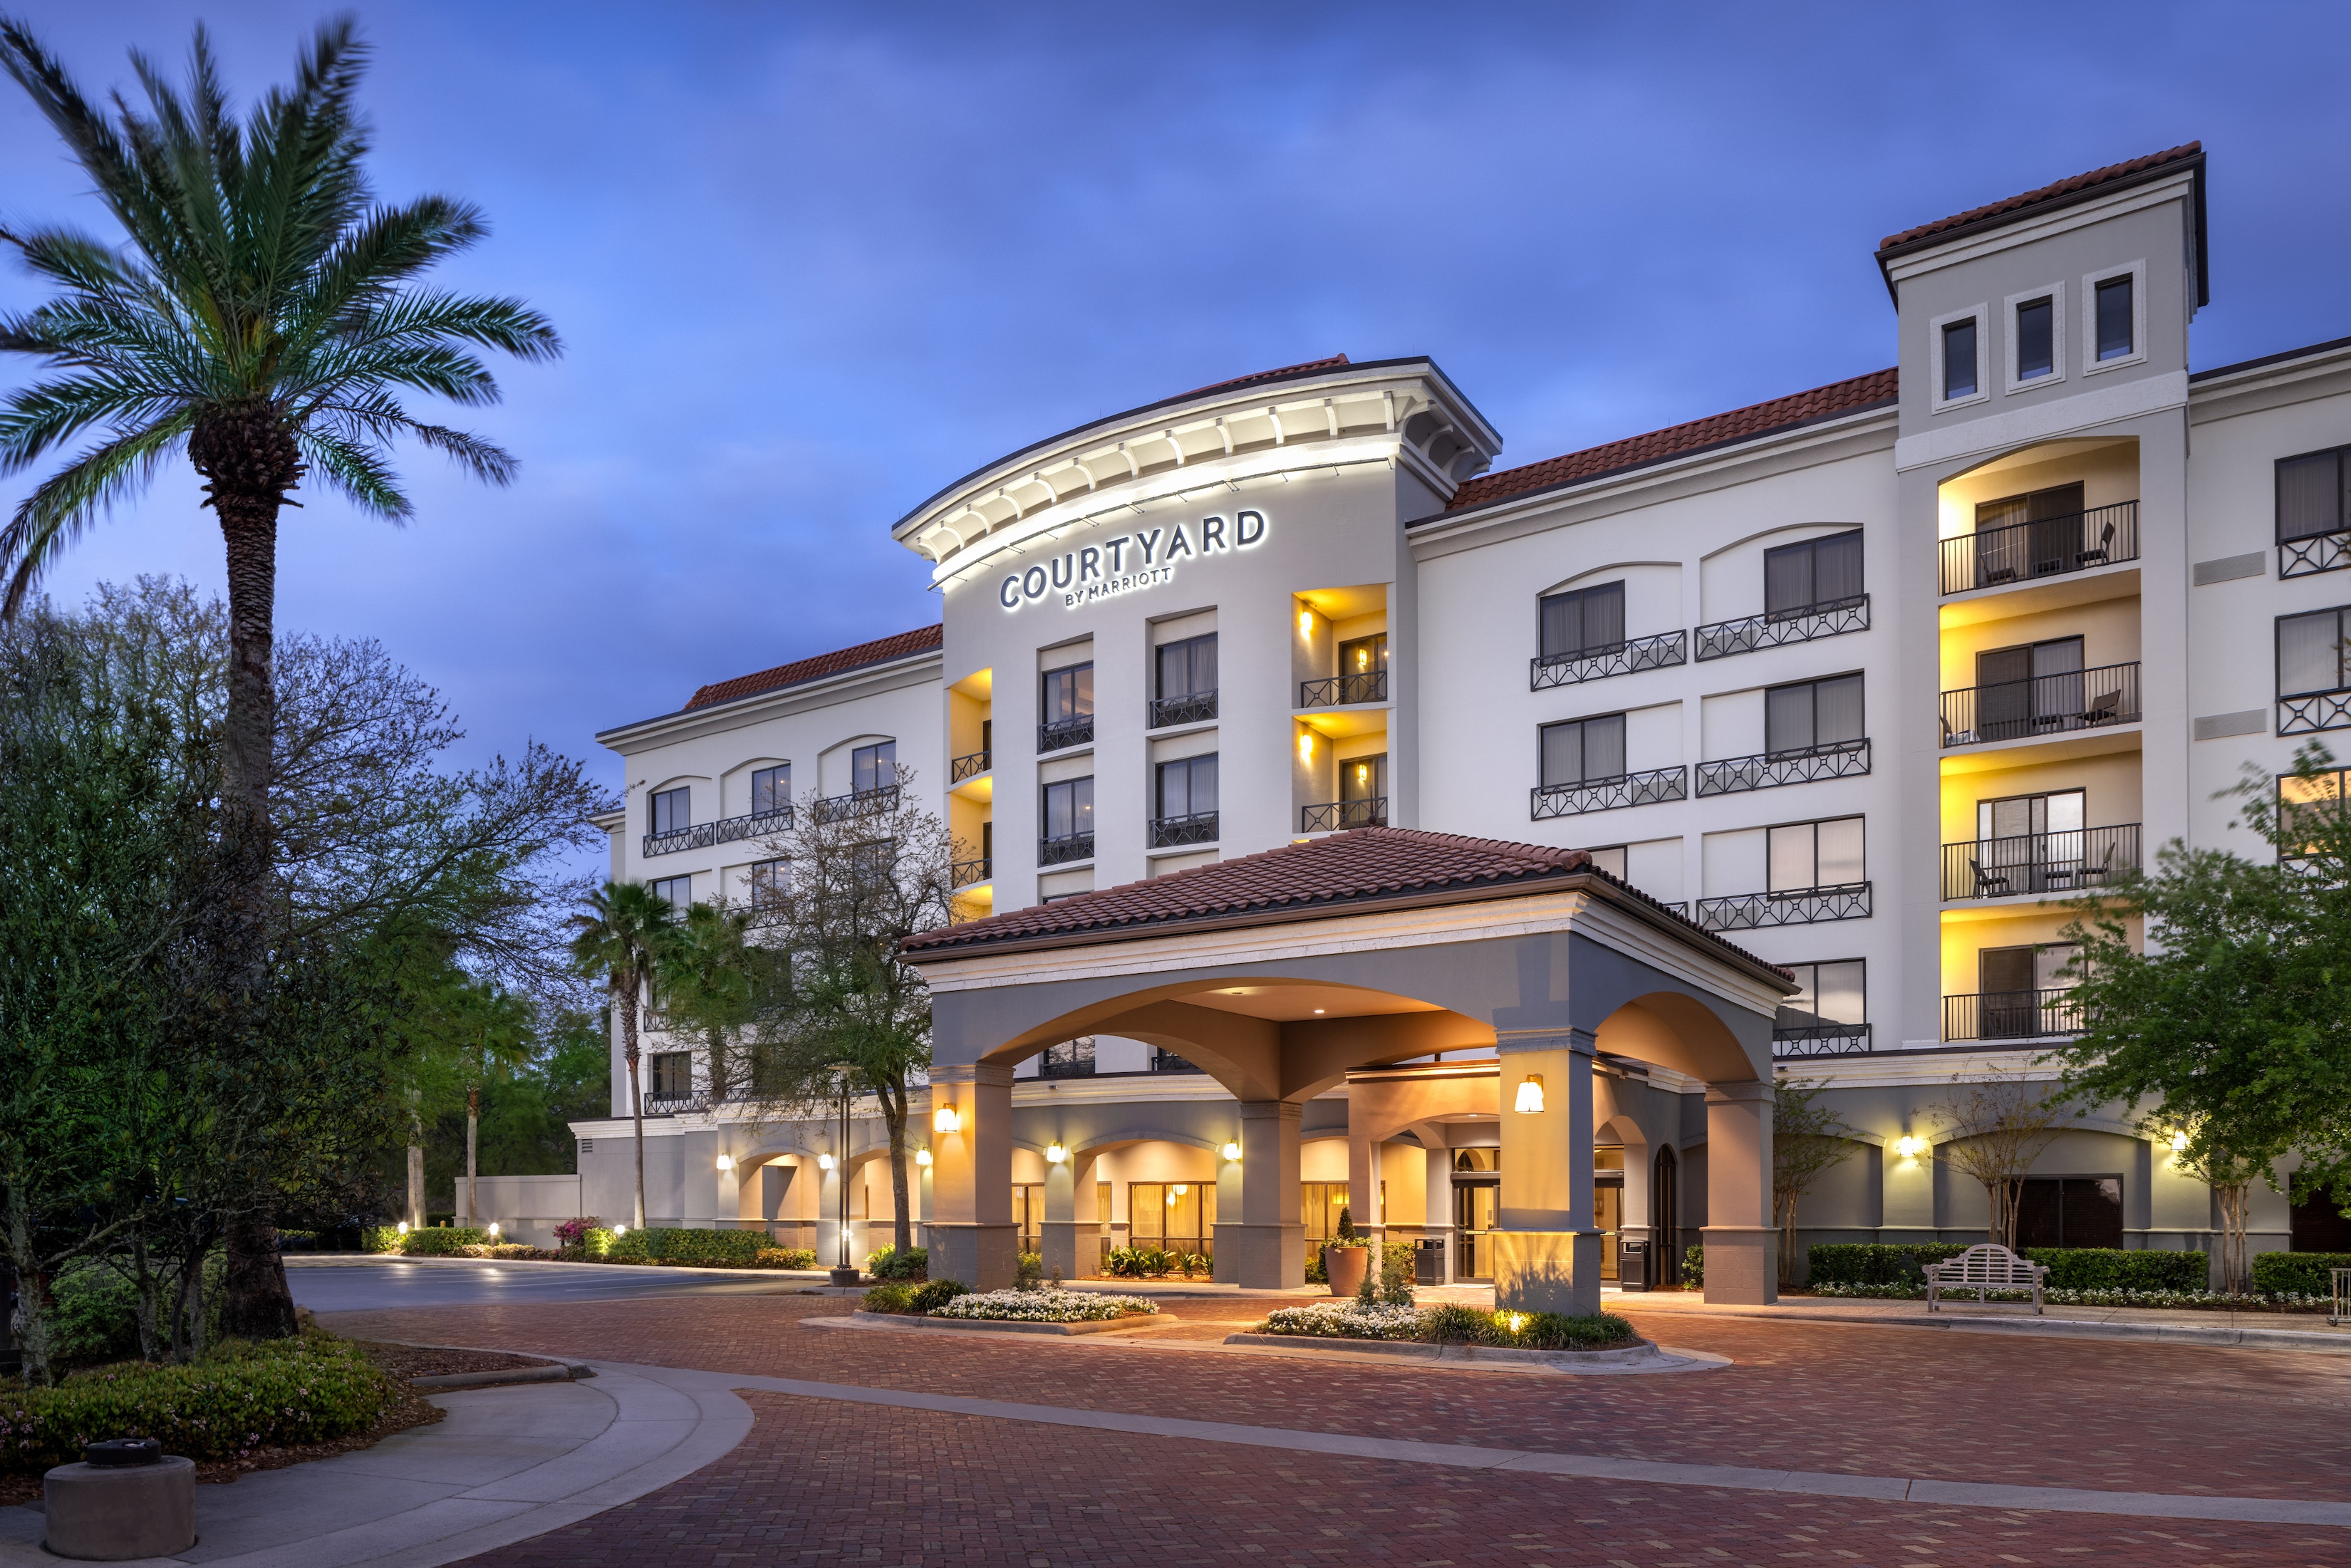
{"type": "Point", "coordinates": [1608, 1218]}
{"type": "Point", "coordinates": [1477, 1213]}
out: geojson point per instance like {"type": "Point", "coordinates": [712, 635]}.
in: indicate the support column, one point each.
{"type": "Point", "coordinates": [1068, 1222]}
{"type": "Point", "coordinates": [1267, 1249]}
{"type": "Point", "coordinates": [1441, 1202]}
{"type": "Point", "coordinates": [1742, 1244]}
{"type": "Point", "coordinates": [972, 1235]}
{"type": "Point", "coordinates": [1363, 1190]}
{"type": "Point", "coordinates": [1547, 1250]}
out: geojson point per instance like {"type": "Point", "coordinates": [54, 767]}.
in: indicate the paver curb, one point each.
{"type": "Point", "coordinates": [2319, 1341]}
{"type": "Point", "coordinates": [1004, 1325]}
{"type": "Point", "coordinates": [559, 1372]}
{"type": "Point", "coordinates": [1630, 1355]}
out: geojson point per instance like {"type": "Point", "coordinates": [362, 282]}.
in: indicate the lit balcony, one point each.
{"type": "Point", "coordinates": [1666, 649]}
{"type": "Point", "coordinates": [2012, 1015]}
{"type": "Point", "coordinates": [1345, 691]}
{"type": "Point", "coordinates": [1550, 800]}
{"type": "Point", "coordinates": [1791, 907]}
{"type": "Point", "coordinates": [969, 873]}
{"type": "Point", "coordinates": [1769, 769]}
{"type": "Point", "coordinates": [1800, 623]}
{"type": "Point", "coordinates": [2072, 860]}
{"type": "Point", "coordinates": [2042, 705]}
{"type": "Point", "coordinates": [726, 830]}
{"type": "Point", "coordinates": [970, 766]}
{"type": "Point", "coordinates": [2044, 547]}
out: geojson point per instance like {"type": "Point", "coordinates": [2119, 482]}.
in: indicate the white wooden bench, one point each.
{"type": "Point", "coordinates": [1982, 1268]}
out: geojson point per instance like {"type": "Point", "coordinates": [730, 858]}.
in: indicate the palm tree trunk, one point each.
{"type": "Point", "coordinates": [473, 1137]}
{"type": "Point", "coordinates": [628, 1000]}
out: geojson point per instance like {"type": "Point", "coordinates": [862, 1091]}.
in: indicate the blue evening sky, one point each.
{"type": "Point", "coordinates": [813, 262]}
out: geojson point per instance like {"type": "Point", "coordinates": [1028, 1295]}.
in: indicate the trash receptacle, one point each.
{"type": "Point", "coordinates": [1428, 1263]}
{"type": "Point", "coordinates": [1633, 1266]}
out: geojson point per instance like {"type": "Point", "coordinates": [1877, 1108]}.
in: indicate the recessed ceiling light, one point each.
{"type": "Point", "coordinates": [1318, 1010]}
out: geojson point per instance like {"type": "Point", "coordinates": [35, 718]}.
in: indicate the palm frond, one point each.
{"type": "Point", "coordinates": [70, 500]}
{"type": "Point", "coordinates": [389, 245]}
{"type": "Point", "coordinates": [429, 367]}
{"type": "Point", "coordinates": [377, 419]}
{"type": "Point", "coordinates": [355, 467]}
{"type": "Point", "coordinates": [36, 418]}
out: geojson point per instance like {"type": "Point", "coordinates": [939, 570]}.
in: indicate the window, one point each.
{"type": "Point", "coordinates": [1184, 669]}
{"type": "Point", "coordinates": [872, 767]}
{"type": "Point", "coordinates": [672, 1075]}
{"type": "Point", "coordinates": [2310, 495]}
{"type": "Point", "coordinates": [1364, 777]}
{"type": "Point", "coordinates": [1833, 995]}
{"type": "Point", "coordinates": [678, 891]}
{"type": "Point", "coordinates": [1188, 788]}
{"type": "Point", "coordinates": [1610, 860]}
{"type": "Point", "coordinates": [1583, 621]}
{"type": "Point", "coordinates": [2311, 653]}
{"type": "Point", "coordinates": [2114, 319]}
{"type": "Point", "coordinates": [1811, 715]}
{"type": "Point", "coordinates": [670, 809]}
{"type": "Point", "coordinates": [1583, 750]}
{"type": "Point", "coordinates": [1068, 695]}
{"type": "Point", "coordinates": [2023, 689]}
{"type": "Point", "coordinates": [1319, 1203]}
{"type": "Point", "coordinates": [1070, 1059]}
{"type": "Point", "coordinates": [771, 789]}
{"type": "Point", "coordinates": [2070, 1211]}
{"type": "Point", "coordinates": [1808, 578]}
{"type": "Point", "coordinates": [2022, 971]}
{"type": "Point", "coordinates": [1070, 808]}
{"type": "Point", "coordinates": [873, 865]}
{"type": "Point", "coordinates": [2030, 816]}
{"type": "Point", "coordinates": [771, 883]}
{"type": "Point", "coordinates": [1364, 656]}
{"type": "Point", "coordinates": [1803, 855]}
{"type": "Point", "coordinates": [2317, 806]}
{"type": "Point", "coordinates": [2036, 339]}
{"type": "Point", "coordinates": [1958, 358]}
{"type": "Point", "coordinates": [1180, 1215]}
{"type": "Point", "coordinates": [1029, 1213]}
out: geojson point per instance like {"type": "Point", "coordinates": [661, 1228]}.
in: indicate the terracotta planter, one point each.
{"type": "Point", "coordinates": [1345, 1266]}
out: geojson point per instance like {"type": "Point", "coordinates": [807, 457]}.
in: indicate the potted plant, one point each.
{"type": "Point", "coordinates": [1347, 1257]}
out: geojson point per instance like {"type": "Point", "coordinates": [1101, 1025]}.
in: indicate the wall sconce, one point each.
{"type": "Point", "coordinates": [727, 1162]}
{"type": "Point", "coordinates": [824, 1162]}
{"type": "Point", "coordinates": [945, 1120]}
{"type": "Point", "coordinates": [2178, 1143]}
{"type": "Point", "coordinates": [1529, 1101]}
{"type": "Point", "coordinates": [1306, 624]}
{"type": "Point", "coordinates": [1908, 1146]}
{"type": "Point", "coordinates": [1055, 1154]}
{"type": "Point", "coordinates": [1179, 1190]}
{"type": "Point", "coordinates": [1233, 1152]}
{"type": "Point", "coordinates": [922, 1157]}
{"type": "Point", "coordinates": [1305, 746]}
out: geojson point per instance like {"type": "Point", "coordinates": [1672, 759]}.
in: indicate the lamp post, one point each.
{"type": "Point", "coordinates": [846, 1272]}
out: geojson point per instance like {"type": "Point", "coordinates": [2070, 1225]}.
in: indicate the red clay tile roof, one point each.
{"type": "Point", "coordinates": [1838, 398]}
{"type": "Point", "coordinates": [1383, 865]}
{"type": "Point", "coordinates": [2063, 188]}
{"type": "Point", "coordinates": [880, 651]}
{"type": "Point", "coordinates": [1333, 363]}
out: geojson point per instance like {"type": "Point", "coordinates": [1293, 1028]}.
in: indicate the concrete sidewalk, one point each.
{"type": "Point", "coordinates": [2263, 1331]}
{"type": "Point", "coordinates": [507, 1464]}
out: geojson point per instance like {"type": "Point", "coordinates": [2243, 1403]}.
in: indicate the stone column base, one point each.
{"type": "Point", "coordinates": [1548, 1271]}
{"type": "Point", "coordinates": [1742, 1264]}
{"type": "Point", "coordinates": [984, 1256]}
{"type": "Point", "coordinates": [1074, 1248]}
{"type": "Point", "coordinates": [1261, 1257]}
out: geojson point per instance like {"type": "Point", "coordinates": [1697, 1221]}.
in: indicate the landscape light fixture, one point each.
{"type": "Point", "coordinates": [1529, 1101]}
{"type": "Point", "coordinates": [945, 1120]}
{"type": "Point", "coordinates": [1055, 1154]}
{"type": "Point", "coordinates": [1233, 1152]}
{"type": "Point", "coordinates": [619, 1231]}
{"type": "Point", "coordinates": [493, 1230]}
{"type": "Point", "coordinates": [403, 1227]}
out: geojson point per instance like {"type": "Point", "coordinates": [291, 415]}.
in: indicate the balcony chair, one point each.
{"type": "Point", "coordinates": [1989, 884]}
{"type": "Point", "coordinates": [2085, 874]}
{"type": "Point", "coordinates": [2106, 710]}
{"type": "Point", "coordinates": [2098, 552]}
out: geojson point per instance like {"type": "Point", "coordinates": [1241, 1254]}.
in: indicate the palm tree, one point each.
{"type": "Point", "coordinates": [710, 980]}
{"type": "Point", "coordinates": [261, 319]}
{"type": "Point", "coordinates": [624, 936]}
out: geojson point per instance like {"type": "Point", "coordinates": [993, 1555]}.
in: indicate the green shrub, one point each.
{"type": "Point", "coordinates": [2298, 1273]}
{"type": "Point", "coordinates": [1316, 1274]}
{"type": "Point", "coordinates": [1452, 1323]}
{"type": "Point", "coordinates": [938, 1293]}
{"type": "Point", "coordinates": [379, 1239]}
{"type": "Point", "coordinates": [889, 1263]}
{"type": "Point", "coordinates": [891, 1297]}
{"type": "Point", "coordinates": [443, 1241]}
{"type": "Point", "coordinates": [1874, 1264]}
{"type": "Point", "coordinates": [1135, 1262]}
{"type": "Point", "coordinates": [94, 1315]}
{"type": "Point", "coordinates": [596, 1241]}
{"type": "Point", "coordinates": [1694, 1268]}
{"type": "Point", "coordinates": [1028, 1271]}
{"type": "Point", "coordinates": [1456, 1324]}
{"type": "Point", "coordinates": [786, 1257]}
{"type": "Point", "coordinates": [707, 1249]}
{"type": "Point", "coordinates": [2120, 1269]}
{"type": "Point", "coordinates": [304, 1390]}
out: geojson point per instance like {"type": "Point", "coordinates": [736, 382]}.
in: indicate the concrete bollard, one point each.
{"type": "Point", "coordinates": [126, 1500]}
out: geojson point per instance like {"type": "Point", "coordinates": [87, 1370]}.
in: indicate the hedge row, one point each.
{"type": "Point", "coordinates": [1874, 1263]}
{"type": "Point", "coordinates": [2298, 1273]}
{"type": "Point", "coordinates": [2070, 1268]}
{"type": "Point", "coordinates": [304, 1390]}
{"type": "Point", "coordinates": [736, 1249]}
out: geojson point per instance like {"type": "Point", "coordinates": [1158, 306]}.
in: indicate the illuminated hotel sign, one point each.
{"type": "Point", "coordinates": [1144, 558]}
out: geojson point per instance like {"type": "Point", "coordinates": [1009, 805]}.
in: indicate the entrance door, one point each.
{"type": "Point", "coordinates": [2022, 690]}
{"type": "Point", "coordinates": [1608, 1218]}
{"type": "Point", "coordinates": [2022, 990]}
{"type": "Point", "coordinates": [1028, 1213]}
{"type": "Point", "coordinates": [2029, 843]}
{"type": "Point", "coordinates": [1477, 1212]}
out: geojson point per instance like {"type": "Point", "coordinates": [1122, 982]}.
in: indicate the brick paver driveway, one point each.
{"type": "Point", "coordinates": [821, 1481]}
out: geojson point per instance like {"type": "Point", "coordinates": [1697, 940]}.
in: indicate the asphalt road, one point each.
{"type": "Point", "coordinates": [356, 1284]}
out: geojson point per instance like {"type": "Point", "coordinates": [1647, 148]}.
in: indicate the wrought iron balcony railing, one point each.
{"type": "Point", "coordinates": [2044, 705]}
{"type": "Point", "coordinates": [1063, 851]}
{"type": "Point", "coordinates": [970, 765]}
{"type": "Point", "coordinates": [1769, 769]}
{"type": "Point", "coordinates": [2075, 860]}
{"type": "Point", "coordinates": [1198, 828]}
{"type": "Point", "coordinates": [857, 803]}
{"type": "Point", "coordinates": [1822, 1040]}
{"type": "Point", "coordinates": [1617, 659]}
{"type": "Point", "coordinates": [2012, 1015]}
{"type": "Point", "coordinates": [969, 873]}
{"type": "Point", "coordinates": [1372, 686]}
{"type": "Point", "coordinates": [1549, 800]}
{"type": "Point", "coordinates": [1334, 816]}
{"type": "Point", "coordinates": [2046, 547]}
{"type": "Point", "coordinates": [725, 830]}
{"type": "Point", "coordinates": [2309, 556]}
{"type": "Point", "coordinates": [671, 1104]}
{"type": "Point", "coordinates": [2305, 713]}
{"type": "Point", "coordinates": [1192, 707]}
{"type": "Point", "coordinates": [1064, 733]}
{"type": "Point", "coordinates": [1793, 906]}
{"type": "Point", "coordinates": [1831, 618]}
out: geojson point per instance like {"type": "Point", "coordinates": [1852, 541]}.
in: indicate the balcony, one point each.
{"type": "Point", "coordinates": [2047, 547]}
{"type": "Point", "coordinates": [726, 830]}
{"type": "Point", "coordinates": [673, 1105]}
{"type": "Point", "coordinates": [1821, 1039]}
{"type": "Point", "coordinates": [1063, 733]}
{"type": "Point", "coordinates": [1792, 907]}
{"type": "Point", "coordinates": [1549, 800]}
{"type": "Point", "coordinates": [1617, 659]}
{"type": "Point", "coordinates": [2042, 705]}
{"type": "Point", "coordinates": [2305, 713]}
{"type": "Point", "coordinates": [1063, 851]}
{"type": "Point", "coordinates": [970, 766]}
{"type": "Point", "coordinates": [1198, 828]}
{"type": "Point", "coordinates": [1833, 618]}
{"type": "Point", "coordinates": [2315, 553]}
{"type": "Point", "coordinates": [1192, 707]}
{"type": "Point", "coordinates": [2070, 862]}
{"type": "Point", "coordinates": [1337, 816]}
{"type": "Point", "coordinates": [967, 874]}
{"type": "Point", "coordinates": [1340, 690]}
{"type": "Point", "coordinates": [2012, 1015]}
{"type": "Point", "coordinates": [857, 803]}
{"type": "Point", "coordinates": [1769, 769]}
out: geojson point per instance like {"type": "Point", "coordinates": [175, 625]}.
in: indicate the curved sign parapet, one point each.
{"type": "Point", "coordinates": [1144, 558]}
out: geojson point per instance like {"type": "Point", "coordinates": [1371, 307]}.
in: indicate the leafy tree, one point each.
{"type": "Point", "coordinates": [1808, 1140]}
{"type": "Point", "coordinates": [263, 319]}
{"type": "Point", "coordinates": [712, 979]}
{"type": "Point", "coordinates": [623, 937]}
{"type": "Point", "coordinates": [1991, 1130]}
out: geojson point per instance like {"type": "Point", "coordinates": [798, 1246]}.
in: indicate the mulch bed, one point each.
{"type": "Point", "coordinates": [401, 1361]}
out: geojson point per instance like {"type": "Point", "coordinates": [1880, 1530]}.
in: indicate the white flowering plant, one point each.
{"type": "Point", "coordinates": [1345, 1319]}
{"type": "Point", "coordinates": [1045, 1306]}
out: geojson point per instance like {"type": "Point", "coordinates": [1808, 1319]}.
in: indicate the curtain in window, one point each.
{"type": "Point", "coordinates": [771, 789]}
{"type": "Point", "coordinates": [2309, 495]}
{"type": "Point", "coordinates": [1069, 808]}
{"type": "Point", "coordinates": [2309, 653]}
{"type": "Point", "coordinates": [1589, 618]}
{"type": "Point", "coordinates": [1583, 750]}
{"type": "Point", "coordinates": [1187, 787]}
{"type": "Point", "coordinates": [1788, 580]}
{"type": "Point", "coordinates": [1836, 568]}
{"type": "Point", "coordinates": [873, 767]}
